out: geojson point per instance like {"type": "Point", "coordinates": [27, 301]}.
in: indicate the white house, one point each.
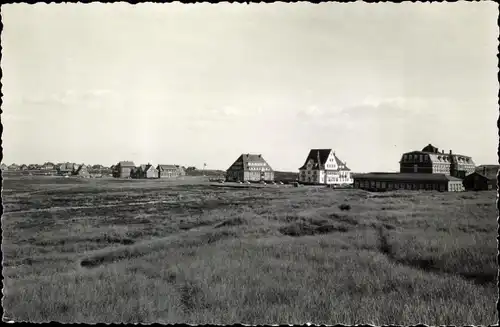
{"type": "Point", "coordinates": [322, 166]}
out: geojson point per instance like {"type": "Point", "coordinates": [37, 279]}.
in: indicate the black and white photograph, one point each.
{"type": "Point", "coordinates": [250, 163]}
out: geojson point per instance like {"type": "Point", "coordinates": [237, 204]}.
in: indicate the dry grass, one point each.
{"type": "Point", "coordinates": [172, 252]}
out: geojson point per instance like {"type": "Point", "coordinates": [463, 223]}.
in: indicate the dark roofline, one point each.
{"type": "Point", "coordinates": [423, 177]}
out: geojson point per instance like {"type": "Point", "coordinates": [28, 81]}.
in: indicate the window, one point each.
{"type": "Point", "coordinates": [383, 185]}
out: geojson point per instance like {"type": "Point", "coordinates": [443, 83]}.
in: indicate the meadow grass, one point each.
{"type": "Point", "coordinates": [180, 252]}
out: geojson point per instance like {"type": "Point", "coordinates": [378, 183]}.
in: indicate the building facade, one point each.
{"type": "Point", "coordinates": [81, 171]}
{"type": "Point", "coordinates": [65, 169]}
{"type": "Point", "coordinates": [481, 180]}
{"type": "Point", "coordinates": [147, 171]}
{"type": "Point", "coordinates": [167, 171]}
{"type": "Point", "coordinates": [48, 166]}
{"type": "Point", "coordinates": [408, 181]}
{"type": "Point", "coordinates": [124, 169]}
{"type": "Point", "coordinates": [182, 170]}
{"type": "Point", "coordinates": [13, 167]}
{"type": "Point", "coordinates": [251, 168]}
{"type": "Point", "coordinates": [431, 161]}
{"type": "Point", "coordinates": [322, 166]}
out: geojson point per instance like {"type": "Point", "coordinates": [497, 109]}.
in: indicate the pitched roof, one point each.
{"type": "Point", "coordinates": [165, 167]}
{"type": "Point", "coordinates": [247, 158]}
{"type": "Point", "coordinates": [66, 166]}
{"type": "Point", "coordinates": [410, 177]}
{"type": "Point", "coordinates": [126, 164]}
{"type": "Point", "coordinates": [443, 158]}
{"type": "Point", "coordinates": [319, 158]}
{"type": "Point", "coordinates": [430, 148]}
{"type": "Point", "coordinates": [149, 166]}
{"type": "Point", "coordinates": [488, 171]}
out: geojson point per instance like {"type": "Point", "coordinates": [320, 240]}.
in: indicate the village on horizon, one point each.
{"type": "Point", "coordinates": [427, 169]}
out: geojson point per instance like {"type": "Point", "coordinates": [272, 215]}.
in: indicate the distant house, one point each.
{"type": "Point", "coordinates": [65, 169]}
{"type": "Point", "coordinates": [135, 172]}
{"type": "Point", "coordinates": [407, 181]}
{"type": "Point", "coordinates": [123, 169]}
{"type": "Point", "coordinates": [481, 180]}
{"type": "Point", "coordinates": [250, 167]}
{"type": "Point", "coordinates": [3, 166]}
{"type": "Point", "coordinates": [148, 171]}
{"type": "Point", "coordinates": [48, 166]}
{"type": "Point", "coordinates": [33, 167]}
{"type": "Point", "coordinates": [23, 167]}
{"type": "Point", "coordinates": [182, 170]}
{"type": "Point", "coordinates": [167, 171]}
{"type": "Point", "coordinates": [13, 167]}
{"type": "Point", "coordinates": [322, 166]}
{"type": "Point", "coordinates": [81, 171]}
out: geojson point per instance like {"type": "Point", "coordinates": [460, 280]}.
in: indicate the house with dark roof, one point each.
{"type": "Point", "coordinates": [13, 167]}
{"type": "Point", "coordinates": [407, 181]}
{"type": "Point", "coordinates": [146, 171]}
{"type": "Point", "coordinates": [48, 166]}
{"type": "Point", "coordinates": [123, 169]}
{"type": "Point", "coordinates": [65, 169]}
{"type": "Point", "coordinates": [81, 171]}
{"type": "Point", "coordinates": [167, 171]}
{"type": "Point", "coordinates": [431, 161]}
{"type": "Point", "coordinates": [323, 166]}
{"type": "Point", "coordinates": [484, 178]}
{"type": "Point", "coordinates": [251, 168]}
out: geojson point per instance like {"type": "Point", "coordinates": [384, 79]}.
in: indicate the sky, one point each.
{"type": "Point", "coordinates": [202, 83]}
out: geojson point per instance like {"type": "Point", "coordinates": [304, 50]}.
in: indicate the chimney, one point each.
{"type": "Point", "coordinates": [442, 151]}
{"type": "Point", "coordinates": [451, 153]}
{"type": "Point", "coordinates": [319, 162]}
{"type": "Point", "coordinates": [484, 171]}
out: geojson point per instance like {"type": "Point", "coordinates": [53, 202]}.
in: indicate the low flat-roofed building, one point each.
{"type": "Point", "coordinates": [407, 181]}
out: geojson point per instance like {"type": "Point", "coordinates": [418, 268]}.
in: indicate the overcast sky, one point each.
{"type": "Point", "coordinates": [188, 84]}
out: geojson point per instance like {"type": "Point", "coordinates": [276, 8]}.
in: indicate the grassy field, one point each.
{"type": "Point", "coordinates": [187, 252]}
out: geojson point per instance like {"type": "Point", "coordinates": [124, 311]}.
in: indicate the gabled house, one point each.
{"type": "Point", "coordinates": [23, 167]}
{"type": "Point", "coordinates": [13, 167]}
{"type": "Point", "coordinates": [322, 166]}
{"type": "Point", "coordinates": [3, 166]}
{"type": "Point", "coordinates": [251, 168]}
{"type": "Point", "coordinates": [148, 171]}
{"type": "Point", "coordinates": [65, 169]}
{"type": "Point", "coordinates": [48, 166]}
{"type": "Point", "coordinates": [484, 178]}
{"type": "Point", "coordinates": [182, 170]}
{"type": "Point", "coordinates": [81, 171]}
{"type": "Point", "coordinates": [167, 171]}
{"type": "Point", "coordinates": [123, 169]}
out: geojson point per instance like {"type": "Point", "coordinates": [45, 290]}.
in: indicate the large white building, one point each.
{"type": "Point", "coordinates": [322, 166]}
